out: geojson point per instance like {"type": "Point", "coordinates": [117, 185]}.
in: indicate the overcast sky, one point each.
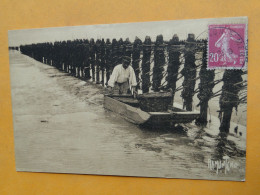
{"type": "Point", "coordinates": [125, 30]}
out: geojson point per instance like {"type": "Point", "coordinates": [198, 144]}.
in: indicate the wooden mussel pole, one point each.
{"type": "Point", "coordinates": [128, 48]}
{"type": "Point", "coordinates": [92, 50]}
{"type": "Point", "coordinates": [229, 98]}
{"type": "Point", "coordinates": [74, 59]}
{"type": "Point", "coordinates": [189, 73]}
{"type": "Point", "coordinates": [98, 60]}
{"type": "Point", "coordinates": [108, 59]}
{"type": "Point", "coordinates": [114, 54]}
{"type": "Point", "coordinates": [146, 63]}
{"type": "Point", "coordinates": [137, 46]}
{"type": "Point", "coordinates": [86, 60]}
{"type": "Point", "coordinates": [159, 62]}
{"type": "Point", "coordinates": [79, 58]}
{"type": "Point", "coordinates": [174, 63]}
{"type": "Point", "coordinates": [67, 56]}
{"type": "Point", "coordinates": [206, 86]}
{"type": "Point", "coordinates": [102, 61]}
{"type": "Point", "coordinates": [120, 51]}
{"type": "Point", "coordinates": [82, 59]}
{"type": "Point", "coordinates": [59, 56]}
{"type": "Point", "coordinates": [63, 52]}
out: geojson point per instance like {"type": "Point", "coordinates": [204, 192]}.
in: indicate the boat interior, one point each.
{"type": "Point", "coordinates": [131, 101]}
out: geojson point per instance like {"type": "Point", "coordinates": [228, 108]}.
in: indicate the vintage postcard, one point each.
{"type": "Point", "coordinates": [151, 99]}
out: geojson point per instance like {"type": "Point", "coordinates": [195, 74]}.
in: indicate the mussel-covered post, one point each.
{"type": "Point", "coordinates": [146, 63]}
{"type": "Point", "coordinates": [108, 59]}
{"type": "Point", "coordinates": [189, 73]}
{"type": "Point", "coordinates": [79, 57]}
{"type": "Point", "coordinates": [46, 54]}
{"type": "Point", "coordinates": [120, 51]}
{"type": "Point", "coordinates": [114, 54]}
{"type": "Point", "coordinates": [35, 51]}
{"type": "Point", "coordinates": [229, 99]}
{"type": "Point", "coordinates": [64, 48]}
{"type": "Point", "coordinates": [76, 57]}
{"type": "Point", "coordinates": [43, 56]}
{"type": "Point", "coordinates": [205, 88]}
{"type": "Point", "coordinates": [49, 51]}
{"type": "Point", "coordinates": [82, 59]}
{"type": "Point", "coordinates": [43, 52]}
{"type": "Point", "coordinates": [92, 50]}
{"type": "Point", "coordinates": [86, 60]}
{"type": "Point", "coordinates": [69, 48]}
{"type": "Point", "coordinates": [159, 62]}
{"type": "Point", "coordinates": [102, 61]}
{"type": "Point", "coordinates": [174, 63]}
{"type": "Point", "coordinates": [137, 46]}
{"type": "Point", "coordinates": [72, 58]}
{"type": "Point", "coordinates": [58, 56]}
{"type": "Point", "coordinates": [61, 56]}
{"type": "Point", "coordinates": [98, 60]}
{"type": "Point", "coordinates": [128, 48]}
{"type": "Point", "coordinates": [54, 55]}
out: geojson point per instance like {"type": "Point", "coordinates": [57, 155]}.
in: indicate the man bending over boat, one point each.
{"type": "Point", "coordinates": [122, 78]}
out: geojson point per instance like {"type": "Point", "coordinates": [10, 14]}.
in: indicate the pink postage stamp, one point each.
{"type": "Point", "coordinates": [227, 48]}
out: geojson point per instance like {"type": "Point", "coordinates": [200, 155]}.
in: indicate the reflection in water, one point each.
{"type": "Point", "coordinates": [179, 129]}
{"type": "Point", "coordinates": [226, 148]}
{"type": "Point", "coordinates": [225, 151]}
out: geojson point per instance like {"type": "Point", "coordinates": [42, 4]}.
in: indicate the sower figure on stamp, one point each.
{"type": "Point", "coordinates": [122, 78]}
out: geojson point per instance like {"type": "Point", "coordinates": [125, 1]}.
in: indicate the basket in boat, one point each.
{"type": "Point", "coordinates": [156, 101]}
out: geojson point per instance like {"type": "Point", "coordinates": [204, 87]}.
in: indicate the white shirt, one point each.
{"type": "Point", "coordinates": [121, 75]}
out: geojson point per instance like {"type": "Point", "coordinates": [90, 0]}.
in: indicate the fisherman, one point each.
{"type": "Point", "coordinates": [123, 76]}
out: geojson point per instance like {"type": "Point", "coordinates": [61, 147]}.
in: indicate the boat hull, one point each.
{"type": "Point", "coordinates": [171, 118]}
{"type": "Point", "coordinates": [128, 108]}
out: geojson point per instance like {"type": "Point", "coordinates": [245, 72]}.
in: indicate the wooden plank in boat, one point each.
{"type": "Point", "coordinates": [130, 113]}
{"type": "Point", "coordinates": [127, 100]}
{"type": "Point", "coordinates": [178, 113]}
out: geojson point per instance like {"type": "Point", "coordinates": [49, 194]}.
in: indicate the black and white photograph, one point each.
{"type": "Point", "coordinates": [149, 99]}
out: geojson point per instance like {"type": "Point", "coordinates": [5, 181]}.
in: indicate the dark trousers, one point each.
{"type": "Point", "coordinates": [121, 88]}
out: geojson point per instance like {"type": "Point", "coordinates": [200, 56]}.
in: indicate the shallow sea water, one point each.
{"type": "Point", "coordinates": [60, 125]}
